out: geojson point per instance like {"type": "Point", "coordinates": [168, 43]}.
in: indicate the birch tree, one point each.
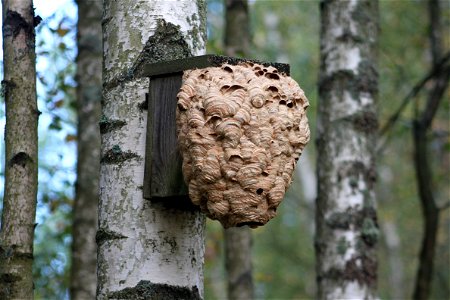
{"type": "Point", "coordinates": [238, 240]}
{"type": "Point", "coordinates": [347, 229]}
{"type": "Point", "coordinates": [146, 248]}
{"type": "Point", "coordinates": [89, 93]}
{"type": "Point", "coordinates": [21, 159]}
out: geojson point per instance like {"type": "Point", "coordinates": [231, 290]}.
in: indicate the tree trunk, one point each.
{"type": "Point", "coordinates": [238, 241]}
{"type": "Point", "coordinates": [346, 222]}
{"type": "Point", "coordinates": [146, 248]}
{"type": "Point", "coordinates": [238, 262]}
{"type": "Point", "coordinates": [21, 159]}
{"type": "Point", "coordinates": [424, 177]}
{"type": "Point", "coordinates": [237, 32]}
{"type": "Point", "coordinates": [89, 92]}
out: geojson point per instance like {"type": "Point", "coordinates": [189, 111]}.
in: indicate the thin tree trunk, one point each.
{"type": "Point", "coordinates": [83, 281]}
{"type": "Point", "coordinates": [238, 241]}
{"type": "Point", "coordinates": [237, 32]}
{"type": "Point", "coordinates": [421, 127]}
{"type": "Point", "coordinates": [346, 222]}
{"type": "Point", "coordinates": [19, 203]}
{"type": "Point", "coordinates": [429, 210]}
{"type": "Point", "coordinates": [146, 249]}
{"type": "Point", "coordinates": [238, 262]}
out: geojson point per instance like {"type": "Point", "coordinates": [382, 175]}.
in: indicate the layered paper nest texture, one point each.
{"type": "Point", "coordinates": [241, 130]}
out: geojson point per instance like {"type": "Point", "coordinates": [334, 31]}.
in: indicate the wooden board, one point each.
{"type": "Point", "coordinates": [163, 176]}
{"type": "Point", "coordinates": [203, 61]}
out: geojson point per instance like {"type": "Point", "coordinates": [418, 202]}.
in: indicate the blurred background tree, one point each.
{"type": "Point", "coordinates": [238, 240]}
{"type": "Point", "coordinates": [283, 250]}
{"type": "Point", "coordinates": [83, 279]}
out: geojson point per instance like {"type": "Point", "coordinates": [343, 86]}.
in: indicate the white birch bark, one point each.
{"type": "Point", "coordinates": [144, 247]}
{"type": "Point", "coordinates": [347, 229]}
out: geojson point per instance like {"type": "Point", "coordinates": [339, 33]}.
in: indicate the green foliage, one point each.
{"type": "Point", "coordinates": [288, 31]}
{"type": "Point", "coordinates": [404, 60]}
{"type": "Point", "coordinates": [283, 31]}
{"type": "Point", "coordinates": [283, 250]}
{"type": "Point", "coordinates": [56, 99]}
{"type": "Point", "coordinates": [51, 257]}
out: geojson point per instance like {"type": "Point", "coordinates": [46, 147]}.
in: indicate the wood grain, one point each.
{"type": "Point", "coordinates": [163, 176]}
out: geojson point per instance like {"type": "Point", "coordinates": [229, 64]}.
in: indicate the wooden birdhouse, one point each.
{"type": "Point", "coordinates": [233, 129]}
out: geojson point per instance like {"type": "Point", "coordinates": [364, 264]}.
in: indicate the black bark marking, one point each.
{"type": "Point", "coordinates": [346, 80]}
{"type": "Point", "coordinates": [20, 159]}
{"type": "Point", "coordinates": [7, 85]}
{"type": "Point", "coordinates": [107, 125]}
{"type": "Point", "coordinates": [341, 220]}
{"type": "Point", "coordinates": [366, 122]}
{"type": "Point", "coordinates": [144, 104]}
{"type": "Point", "coordinates": [167, 43]}
{"type": "Point", "coordinates": [354, 170]}
{"type": "Point", "coordinates": [363, 219]}
{"type": "Point", "coordinates": [146, 290]}
{"type": "Point", "coordinates": [9, 278]}
{"type": "Point", "coordinates": [8, 281]}
{"type": "Point", "coordinates": [361, 269]}
{"type": "Point", "coordinates": [10, 253]}
{"type": "Point", "coordinates": [104, 235]}
{"type": "Point", "coordinates": [14, 23]}
{"type": "Point", "coordinates": [116, 155]}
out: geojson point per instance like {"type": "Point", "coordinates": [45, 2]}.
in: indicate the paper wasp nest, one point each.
{"type": "Point", "coordinates": [241, 130]}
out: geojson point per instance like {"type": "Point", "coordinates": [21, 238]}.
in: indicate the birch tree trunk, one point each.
{"type": "Point", "coordinates": [346, 221]}
{"type": "Point", "coordinates": [146, 248]}
{"type": "Point", "coordinates": [21, 159]}
{"type": "Point", "coordinates": [89, 93]}
{"type": "Point", "coordinates": [238, 240]}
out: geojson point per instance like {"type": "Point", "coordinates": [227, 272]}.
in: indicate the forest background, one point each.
{"type": "Point", "coordinates": [283, 250]}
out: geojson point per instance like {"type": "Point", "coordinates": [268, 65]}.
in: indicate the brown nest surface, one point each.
{"type": "Point", "coordinates": [241, 130]}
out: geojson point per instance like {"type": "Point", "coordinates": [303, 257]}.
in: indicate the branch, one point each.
{"type": "Point", "coordinates": [439, 68]}
{"type": "Point", "coordinates": [434, 99]}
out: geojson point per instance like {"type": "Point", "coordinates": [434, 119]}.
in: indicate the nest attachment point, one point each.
{"type": "Point", "coordinates": [241, 130]}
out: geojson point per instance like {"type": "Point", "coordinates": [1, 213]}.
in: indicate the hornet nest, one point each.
{"type": "Point", "coordinates": [241, 130]}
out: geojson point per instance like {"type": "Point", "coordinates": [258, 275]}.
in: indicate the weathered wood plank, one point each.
{"type": "Point", "coordinates": [203, 61]}
{"type": "Point", "coordinates": [163, 176]}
